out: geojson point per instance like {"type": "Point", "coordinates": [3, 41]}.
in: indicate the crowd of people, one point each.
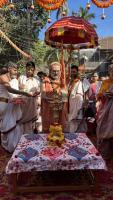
{"type": "Point", "coordinates": [30, 103]}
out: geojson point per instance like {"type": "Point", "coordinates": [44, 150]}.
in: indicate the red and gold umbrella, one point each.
{"type": "Point", "coordinates": [71, 32]}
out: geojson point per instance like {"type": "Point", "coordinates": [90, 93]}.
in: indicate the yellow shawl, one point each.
{"type": "Point", "coordinates": [105, 86]}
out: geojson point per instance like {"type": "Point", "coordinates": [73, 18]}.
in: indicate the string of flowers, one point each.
{"type": "Point", "coordinates": [51, 1]}
{"type": "Point", "coordinates": [51, 6]}
{"type": "Point", "coordinates": [103, 3]}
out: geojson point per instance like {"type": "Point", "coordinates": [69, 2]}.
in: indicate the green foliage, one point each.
{"type": "Point", "coordinates": [21, 66]}
{"type": "Point", "coordinates": [62, 9]}
{"type": "Point", "coordinates": [52, 55]}
{"type": "Point", "coordinates": [38, 53]}
{"type": "Point", "coordinates": [42, 55]}
{"type": "Point", "coordinates": [84, 13]}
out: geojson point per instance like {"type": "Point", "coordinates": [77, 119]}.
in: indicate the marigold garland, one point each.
{"type": "Point", "coordinates": [51, 1]}
{"type": "Point", "coordinates": [50, 7]}
{"type": "Point", "coordinates": [2, 2]}
{"type": "Point", "coordinates": [103, 3]}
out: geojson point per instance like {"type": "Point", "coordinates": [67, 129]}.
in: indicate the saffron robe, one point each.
{"type": "Point", "coordinates": [47, 110]}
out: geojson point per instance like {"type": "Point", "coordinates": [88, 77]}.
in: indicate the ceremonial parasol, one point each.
{"type": "Point", "coordinates": [71, 32]}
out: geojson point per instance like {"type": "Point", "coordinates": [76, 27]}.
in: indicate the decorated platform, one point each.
{"type": "Point", "coordinates": [35, 153]}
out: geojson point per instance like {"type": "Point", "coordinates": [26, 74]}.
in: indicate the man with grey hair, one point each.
{"type": "Point", "coordinates": [54, 99]}
{"type": "Point", "coordinates": [10, 115]}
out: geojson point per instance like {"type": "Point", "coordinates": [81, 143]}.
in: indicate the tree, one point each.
{"type": "Point", "coordinates": [38, 53]}
{"type": "Point", "coordinates": [52, 55]}
{"type": "Point", "coordinates": [3, 35]}
{"type": "Point", "coordinates": [42, 55]}
{"type": "Point", "coordinates": [22, 25]}
{"type": "Point", "coordinates": [62, 11]}
{"type": "Point", "coordinates": [84, 13]}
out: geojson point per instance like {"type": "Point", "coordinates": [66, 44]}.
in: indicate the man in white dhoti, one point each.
{"type": "Point", "coordinates": [30, 84]}
{"type": "Point", "coordinates": [77, 89]}
{"type": "Point", "coordinates": [9, 113]}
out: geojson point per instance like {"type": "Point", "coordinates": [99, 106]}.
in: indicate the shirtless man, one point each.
{"type": "Point", "coordinates": [8, 116]}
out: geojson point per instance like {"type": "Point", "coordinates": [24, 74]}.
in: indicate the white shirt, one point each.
{"type": "Point", "coordinates": [30, 84]}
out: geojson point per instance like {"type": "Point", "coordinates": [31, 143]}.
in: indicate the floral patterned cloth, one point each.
{"type": "Point", "coordinates": [34, 153]}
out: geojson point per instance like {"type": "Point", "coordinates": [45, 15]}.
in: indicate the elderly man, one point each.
{"type": "Point", "coordinates": [54, 99]}
{"type": "Point", "coordinates": [9, 115]}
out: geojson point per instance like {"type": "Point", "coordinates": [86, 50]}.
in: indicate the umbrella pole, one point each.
{"type": "Point", "coordinates": [68, 65]}
{"type": "Point", "coordinates": [63, 73]}
{"type": "Point", "coordinates": [78, 56]}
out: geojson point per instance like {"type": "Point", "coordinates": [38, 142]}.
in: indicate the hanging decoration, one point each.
{"type": "Point", "coordinates": [55, 4]}
{"type": "Point", "coordinates": [51, 1]}
{"type": "Point", "coordinates": [88, 5]}
{"type": "Point", "coordinates": [103, 16]}
{"type": "Point", "coordinates": [2, 2]}
{"type": "Point", "coordinates": [64, 10]}
{"type": "Point", "coordinates": [11, 5]}
{"type": "Point", "coordinates": [2, 34]}
{"type": "Point", "coordinates": [49, 18]}
{"type": "Point", "coordinates": [32, 5]}
{"type": "Point", "coordinates": [63, 13]}
{"type": "Point", "coordinates": [103, 3]}
{"type": "Point", "coordinates": [50, 4]}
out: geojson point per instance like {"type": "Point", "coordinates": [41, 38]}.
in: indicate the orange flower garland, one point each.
{"type": "Point", "coordinates": [103, 3]}
{"type": "Point", "coordinates": [51, 1]}
{"type": "Point", "coordinates": [52, 6]}
{"type": "Point", "coordinates": [2, 2]}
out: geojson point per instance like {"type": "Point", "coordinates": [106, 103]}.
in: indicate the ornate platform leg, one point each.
{"type": "Point", "coordinates": [13, 181]}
